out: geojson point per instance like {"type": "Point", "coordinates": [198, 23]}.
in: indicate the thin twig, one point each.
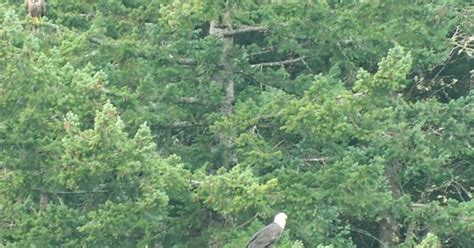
{"type": "Point", "coordinates": [248, 221]}
{"type": "Point", "coordinates": [263, 51]}
{"type": "Point", "coordinates": [366, 233]}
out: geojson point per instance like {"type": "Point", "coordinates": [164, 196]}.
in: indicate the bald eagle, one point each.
{"type": "Point", "coordinates": [269, 234]}
{"type": "Point", "coordinates": [36, 9]}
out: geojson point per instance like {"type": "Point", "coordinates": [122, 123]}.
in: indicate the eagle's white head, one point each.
{"type": "Point", "coordinates": [280, 219]}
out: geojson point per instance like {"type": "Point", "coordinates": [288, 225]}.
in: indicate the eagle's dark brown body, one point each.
{"type": "Point", "coordinates": [268, 235]}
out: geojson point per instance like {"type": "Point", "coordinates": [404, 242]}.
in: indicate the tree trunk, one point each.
{"type": "Point", "coordinates": [43, 201]}
{"type": "Point", "coordinates": [389, 231]}
{"type": "Point", "coordinates": [224, 77]}
{"type": "Point", "coordinates": [389, 227]}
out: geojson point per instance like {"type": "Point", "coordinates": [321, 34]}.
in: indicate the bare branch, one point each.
{"type": "Point", "coordinates": [366, 233]}
{"type": "Point", "coordinates": [263, 51]}
{"type": "Point", "coordinates": [464, 43]}
{"type": "Point", "coordinates": [73, 192]}
{"type": "Point", "coordinates": [182, 124]}
{"type": "Point", "coordinates": [321, 160]}
{"type": "Point", "coordinates": [278, 63]}
{"type": "Point", "coordinates": [279, 143]}
{"type": "Point", "coordinates": [186, 61]}
{"type": "Point", "coordinates": [353, 95]}
{"type": "Point", "coordinates": [248, 221]}
{"type": "Point", "coordinates": [189, 100]}
{"type": "Point", "coordinates": [315, 159]}
{"type": "Point", "coordinates": [245, 29]}
{"type": "Point", "coordinates": [419, 205]}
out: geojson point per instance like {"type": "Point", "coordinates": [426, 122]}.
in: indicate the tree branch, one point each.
{"type": "Point", "coordinates": [244, 29]}
{"type": "Point", "coordinates": [248, 221]}
{"type": "Point", "coordinates": [186, 61]}
{"type": "Point", "coordinates": [315, 159]}
{"type": "Point", "coordinates": [278, 63]}
{"type": "Point", "coordinates": [263, 51]}
{"type": "Point", "coordinates": [189, 100]}
{"type": "Point", "coordinates": [366, 233]}
{"type": "Point", "coordinates": [182, 124]}
{"type": "Point", "coordinates": [73, 192]}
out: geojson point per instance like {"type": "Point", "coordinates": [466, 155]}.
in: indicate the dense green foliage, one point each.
{"type": "Point", "coordinates": [172, 123]}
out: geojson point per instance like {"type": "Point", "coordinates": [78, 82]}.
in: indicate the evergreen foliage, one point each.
{"type": "Point", "coordinates": [171, 123]}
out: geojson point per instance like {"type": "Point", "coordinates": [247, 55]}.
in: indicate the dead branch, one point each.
{"type": "Point", "coordinates": [189, 100]}
{"type": "Point", "coordinates": [244, 29]}
{"type": "Point", "coordinates": [182, 124]}
{"type": "Point", "coordinates": [366, 233]}
{"type": "Point", "coordinates": [464, 43]}
{"type": "Point", "coordinates": [419, 205]}
{"type": "Point", "coordinates": [263, 51]}
{"type": "Point", "coordinates": [73, 192]}
{"type": "Point", "coordinates": [186, 61]}
{"type": "Point", "coordinates": [315, 159]}
{"type": "Point", "coordinates": [353, 95]}
{"type": "Point", "coordinates": [278, 63]}
{"type": "Point", "coordinates": [248, 221]}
